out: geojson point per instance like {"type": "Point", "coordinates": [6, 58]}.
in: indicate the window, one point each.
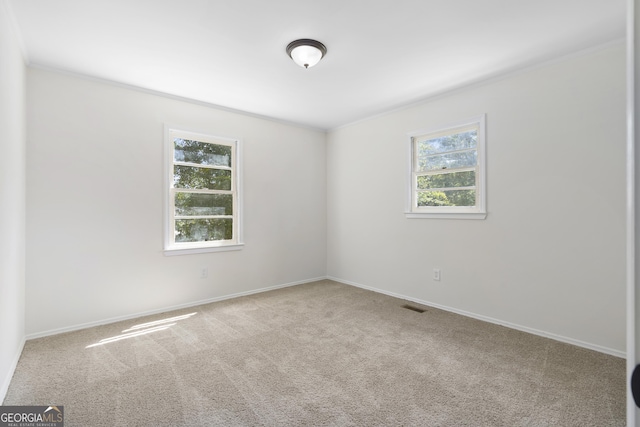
{"type": "Point", "coordinates": [202, 193]}
{"type": "Point", "coordinates": [447, 174]}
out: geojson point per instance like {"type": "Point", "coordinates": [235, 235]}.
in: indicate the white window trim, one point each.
{"type": "Point", "coordinates": [171, 249]}
{"type": "Point", "coordinates": [449, 212]}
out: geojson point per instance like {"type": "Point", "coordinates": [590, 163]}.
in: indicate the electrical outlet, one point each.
{"type": "Point", "coordinates": [204, 273]}
{"type": "Point", "coordinates": [436, 274]}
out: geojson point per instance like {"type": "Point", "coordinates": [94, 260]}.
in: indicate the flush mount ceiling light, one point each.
{"type": "Point", "coordinates": [306, 52]}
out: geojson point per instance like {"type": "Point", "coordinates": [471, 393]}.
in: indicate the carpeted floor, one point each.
{"type": "Point", "coordinates": [323, 354]}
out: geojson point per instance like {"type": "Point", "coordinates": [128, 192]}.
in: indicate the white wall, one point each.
{"type": "Point", "coordinates": [95, 204]}
{"type": "Point", "coordinates": [12, 201]}
{"type": "Point", "coordinates": [550, 257]}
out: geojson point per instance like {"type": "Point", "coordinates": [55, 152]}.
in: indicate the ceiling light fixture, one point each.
{"type": "Point", "coordinates": [306, 52]}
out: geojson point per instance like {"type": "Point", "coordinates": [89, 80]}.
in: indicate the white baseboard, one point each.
{"type": "Point", "coordinates": [7, 380]}
{"type": "Point", "coordinates": [165, 309]}
{"type": "Point", "coordinates": [533, 331]}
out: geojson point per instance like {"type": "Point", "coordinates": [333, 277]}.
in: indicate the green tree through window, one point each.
{"type": "Point", "coordinates": [203, 194]}
{"type": "Point", "coordinates": [447, 171]}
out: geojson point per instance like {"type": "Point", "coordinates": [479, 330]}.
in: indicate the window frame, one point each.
{"type": "Point", "coordinates": [171, 247]}
{"type": "Point", "coordinates": [479, 211]}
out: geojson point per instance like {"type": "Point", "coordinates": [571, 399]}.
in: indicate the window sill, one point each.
{"type": "Point", "coordinates": [444, 215]}
{"type": "Point", "coordinates": [202, 250]}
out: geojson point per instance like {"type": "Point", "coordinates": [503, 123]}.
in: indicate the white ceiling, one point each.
{"type": "Point", "coordinates": [382, 54]}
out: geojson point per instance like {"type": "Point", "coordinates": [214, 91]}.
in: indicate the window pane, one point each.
{"type": "Point", "coordinates": [203, 153]}
{"type": "Point", "coordinates": [458, 141]}
{"type": "Point", "coordinates": [195, 177]}
{"type": "Point", "coordinates": [203, 204]}
{"type": "Point", "coordinates": [203, 230]}
{"type": "Point", "coordinates": [446, 180]}
{"type": "Point", "coordinates": [448, 161]}
{"type": "Point", "coordinates": [447, 198]}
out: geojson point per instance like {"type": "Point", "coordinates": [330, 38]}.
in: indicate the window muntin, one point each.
{"type": "Point", "coordinates": [447, 171]}
{"type": "Point", "coordinates": [203, 192]}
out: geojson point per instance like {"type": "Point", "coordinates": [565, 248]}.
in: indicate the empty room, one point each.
{"type": "Point", "coordinates": [298, 212]}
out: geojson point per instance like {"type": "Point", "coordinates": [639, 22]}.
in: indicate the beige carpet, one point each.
{"type": "Point", "coordinates": [323, 354]}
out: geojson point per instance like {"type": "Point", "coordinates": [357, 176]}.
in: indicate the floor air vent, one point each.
{"type": "Point", "coordinates": [412, 308]}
